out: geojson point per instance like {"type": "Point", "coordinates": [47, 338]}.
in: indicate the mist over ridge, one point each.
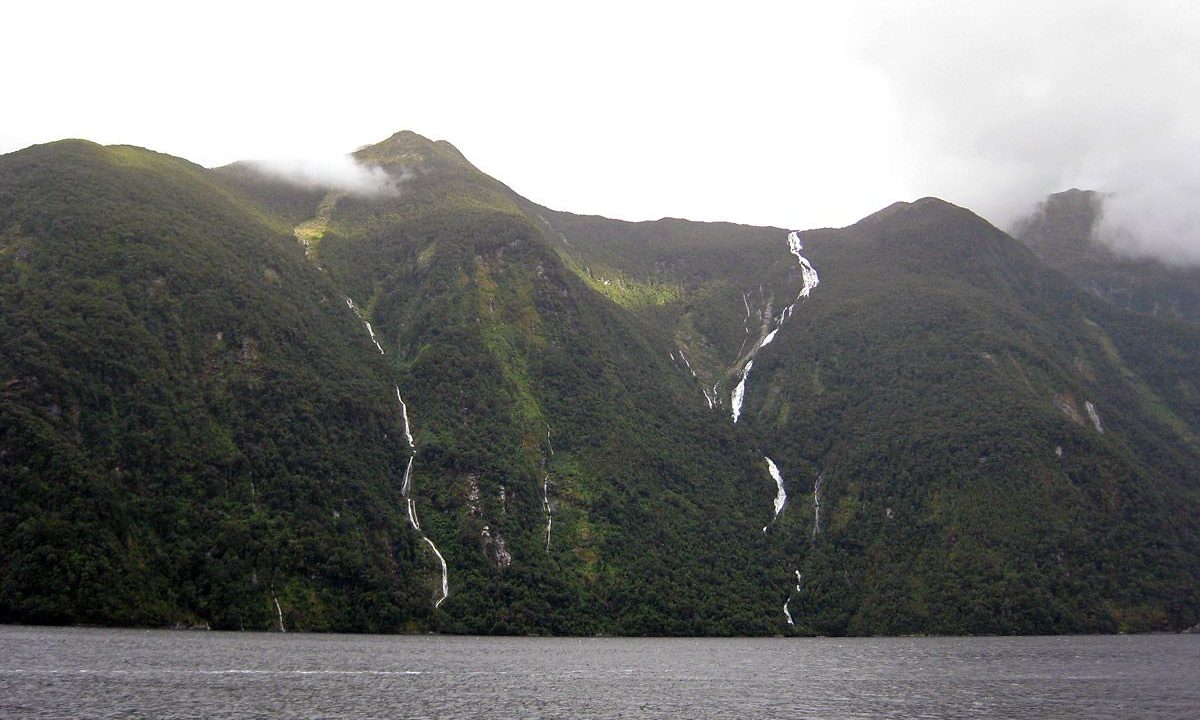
{"type": "Point", "coordinates": [1000, 108]}
{"type": "Point", "coordinates": [338, 172]}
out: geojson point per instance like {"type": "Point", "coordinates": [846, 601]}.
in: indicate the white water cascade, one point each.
{"type": "Point", "coordinates": [445, 574]}
{"type": "Point", "coordinates": [738, 396]}
{"type": "Point", "coordinates": [406, 484]}
{"type": "Point", "coordinates": [407, 473]}
{"type": "Point", "coordinates": [546, 507]}
{"type": "Point", "coordinates": [787, 613]}
{"type": "Point", "coordinates": [370, 330]}
{"type": "Point", "coordinates": [404, 413]}
{"type": "Point", "coordinates": [1095, 416]}
{"type": "Point", "coordinates": [739, 392]}
{"type": "Point", "coordinates": [688, 366]}
{"type": "Point", "coordinates": [806, 269]}
{"type": "Point", "coordinates": [811, 280]}
{"type": "Point", "coordinates": [745, 323]}
{"type": "Point", "coordinates": [412, 515]}
{"type": "Point", "coordinates": [780, 493]}
{"type": "Point", "coordinates": [278, 610]}
{"type": "Point", "coordinates": [817, 505]}
{"type": "Point", "coordinates": [685, 362]}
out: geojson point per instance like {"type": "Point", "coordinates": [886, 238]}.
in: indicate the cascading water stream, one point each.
{"type": "Point", "coordinates": [685, 362]}
{"type": "Point", "coordinates": [817, 505]}
{"type": "Point", "coordinates": [811, 280]}
{"type": "Point", "coordinates": [404, 413]}
{"type": "Point", "coordinates": [739, 392]}
{"type": "Point", "coordinates": [407, 473]}
{"type": "Point", "coordinates": [547, 508]}
{"type": "Point", "coordinates": [278, 610]}
{"type": "Point", "coordinates": [688, 366]}
{"type": "Point", "coordinates": [787, 612]}
{"type": "Point", "coordinates": [780, 493]}
{"type": "Point", "coordinates": [807, 271]}
{"type": "Point", "coordinates": [412, 515]}
{"type": "Point", "coordinates": [445, 574]}
{"type": "Point", "coordinates": [370, 330]}
{"type": "Point", "coordinates": [406, 483]}
{"type": "Point", "coordinates": [738, 396]}
{"type": "Point", "coordinates": [1094, 416]}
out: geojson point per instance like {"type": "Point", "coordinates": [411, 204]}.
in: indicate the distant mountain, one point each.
{"type": "Point", "coordinates": [1060, 231]}
{"type": "Point", "coordinates": [230, 399]}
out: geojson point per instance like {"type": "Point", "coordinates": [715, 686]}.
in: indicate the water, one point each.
{"type": "Point", "coordinates": [72, 673]}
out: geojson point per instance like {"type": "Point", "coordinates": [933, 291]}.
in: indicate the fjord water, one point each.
{"type": "Point", "coordinates": [95, 673]}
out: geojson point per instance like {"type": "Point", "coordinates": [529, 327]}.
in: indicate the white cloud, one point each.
{"type": "Point", "coordinates": [339, 172]}
{"type": "Point", "coordinates": [1004, 103]}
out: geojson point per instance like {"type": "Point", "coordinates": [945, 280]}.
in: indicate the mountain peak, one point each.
{"type": "Point", "coordinates": [1085, 203]}
{"type": "Point", "coordinates": [408, 150]}
{"type": "Point", "coordinates": [1062, 224]}
{"type": "Point", "coordinates": [920, 212]}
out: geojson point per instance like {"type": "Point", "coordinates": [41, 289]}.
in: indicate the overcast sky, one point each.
{"type": "Point", "coordinates": [797, 114]}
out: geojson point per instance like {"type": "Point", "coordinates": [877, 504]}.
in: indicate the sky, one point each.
{"type": "Point", "coordinates": [793, 114]}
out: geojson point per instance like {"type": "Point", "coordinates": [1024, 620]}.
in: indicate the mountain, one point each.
{"type": "Point", "coordinates": [585, 489]}
{"type": "Point", "coordinates": [1061, 232]}
{"type": "Point", "coordinates": [235, 400]}
{"type": "Point", "coordinates": [191, 424]}
{"type": "Point", "coordinates": [930, 407]}
{"type": "Point", "coordinates": [992, 449]}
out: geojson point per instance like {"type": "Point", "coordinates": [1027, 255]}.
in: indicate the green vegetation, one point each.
{"type": "Point", "coordinates": [919, 382]}
{"type": "Point", "coordinates": [959, 498]}
{"type": "Point", "coordinates": [188, 418]}
{"type": "Point", "coordinates": [194, 426]}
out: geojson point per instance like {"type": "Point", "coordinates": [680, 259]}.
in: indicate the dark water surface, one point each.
{"type": "Point", "coordinates": [88, 673]}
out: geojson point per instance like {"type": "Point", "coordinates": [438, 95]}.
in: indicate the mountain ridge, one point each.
{"type": "Point", "coordinates": [532, 410]}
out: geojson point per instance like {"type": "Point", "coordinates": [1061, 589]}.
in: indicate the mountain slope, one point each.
{"type": "Point", "coordinates": [529, 390]}
{"type": "Point", "coordinates": [930, 409]}
{"type": "Point", "coordinates": [190, 431]}
{"type": "Point", "coordinates": [231, 399]}
{"type": "Point", "coordinates": [563, 475]}
{"type": "Point", "coordinates": [979, 453]}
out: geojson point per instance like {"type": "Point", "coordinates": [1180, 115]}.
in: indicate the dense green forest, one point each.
{"type": "Point", "coordinates": [209, 378]}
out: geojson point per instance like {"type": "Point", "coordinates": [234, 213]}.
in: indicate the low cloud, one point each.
{"type": "Point", "coordinates": [1154, 209]}
{"type": "Point", "coordinates": [341, 172]}
{"type": "Point", "coordinates": [1004, 103]}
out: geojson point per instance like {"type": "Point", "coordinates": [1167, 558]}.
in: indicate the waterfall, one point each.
{"type": "Point", "coordinates": [405, 486]}
{"type": "Point", "coordinates": [1095, 416]}
{"type": "Point", "coordinates": [780, 493]}
{"type": "Point", "coordinates": [809, 275]}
